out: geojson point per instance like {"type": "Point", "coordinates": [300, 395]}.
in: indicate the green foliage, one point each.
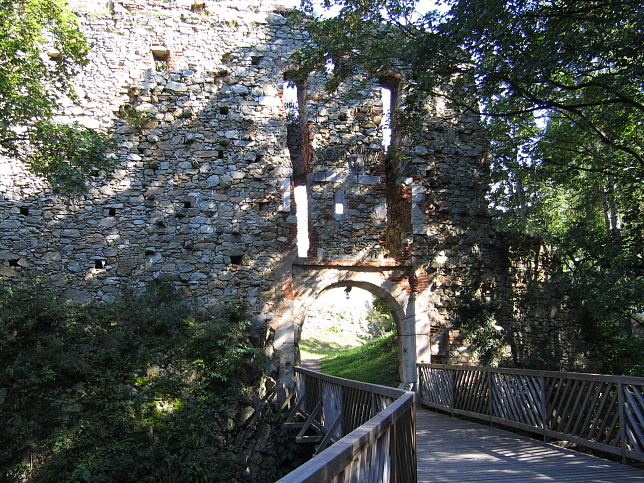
{"type": "Point", "coordinates": [290, 454]}
{"type": "Point", "coordinates": [474, 318]}
{"type": "Point", "coordinates": [141, 390]}
{"type": "Point", "coordinates": [375, 362]}
{"type": "Point", "coordinates": [134, 117]}
{"type": "Point", "coordinates": [381, 320]}
{"type": "Point", "coordinates": [68, 154]}
{"type": "Point", "coordinates": [30, 85]}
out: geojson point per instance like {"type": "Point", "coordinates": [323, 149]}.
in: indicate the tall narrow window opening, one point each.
{"type": "Point", "coordinates": [296, 130]}
{"type": "Point", "coordinates": [386, 117]}
{"type": "Point", "coordinates": [390, 94]}
{"type": "Point", "coordinates": [302, 203]}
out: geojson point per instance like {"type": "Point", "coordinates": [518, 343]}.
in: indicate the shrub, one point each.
{"type": "Point", "coordinates": [141, 390]}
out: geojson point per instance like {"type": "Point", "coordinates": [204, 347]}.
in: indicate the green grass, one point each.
{"type": "Point", "coordinates": [325, 348]}
{"type": "Point", "coordinates": [375, 362]}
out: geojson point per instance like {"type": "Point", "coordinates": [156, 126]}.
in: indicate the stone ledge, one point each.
{"type": "Point", "coordinates": [323, 263]}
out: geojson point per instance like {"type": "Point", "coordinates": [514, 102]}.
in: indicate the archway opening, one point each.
{"type": "Point", "coordinates": [350, 332]}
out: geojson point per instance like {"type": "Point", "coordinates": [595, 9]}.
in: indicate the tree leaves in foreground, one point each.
{"type": "Point", "coordinates": [41, 49]}
{"type": "Point", "coordinates": [142, 390]}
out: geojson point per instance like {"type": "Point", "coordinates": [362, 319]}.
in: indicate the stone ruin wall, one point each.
{"type": "Point", "coordinates": [203, 196]}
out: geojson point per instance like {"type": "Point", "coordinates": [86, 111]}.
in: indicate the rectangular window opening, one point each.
{"type": "Point", "coordinates": [15, 262]}
{"type": "Point", "coordinates": [340, 206]}
{"type": "Point", "coordinates": [390, 94]}
{"type": "Point", "coordinates": [111, 212]}
{"type": "Point", "coordinates": [99, 264]}
{"type": "Point", "coordinates": [236, 259]}
{"type": "Point", "coordinates": [297, 139]}
{"type": "Point", "coordinates": [24, 211]}
{"type": "Point", "coordinates": [160, 55]}
{"type": "Point", "coordinates": [386, 117]}
{"type": "Point", "coordinates": [302, 215]}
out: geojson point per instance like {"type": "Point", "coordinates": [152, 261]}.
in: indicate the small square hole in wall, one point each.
{"type": "Point", "coordinates": [160, 56]}
{"type": "Point", "coordinates": [236, 259]}
{"type": "Point", "coordinates": [220, 154]}
{"type": "Point", "coordinates": [223, 110]}
{"type": "Point", "coordinates": [14, 262]}
{"type": "Point", "coordinates": [256, 59]}
{"type": "Point", "coordinates": [187, 204]}
{"type": "Point", "coordinates": [24, 211]}
{"type": "Point", "coordinates": [198, 7]}
{"type": "Point", "coordinates": [111, 212]}
{"type": "Point", "coordinates": [259, 158]}
{"type": "Point", "coordinates": [99, 263]}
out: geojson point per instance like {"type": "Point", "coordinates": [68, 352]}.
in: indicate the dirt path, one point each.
{"type": "Point", "coordinates": [311, 361]}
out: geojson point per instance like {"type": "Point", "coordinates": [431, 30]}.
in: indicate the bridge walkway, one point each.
{"type": "Point", "coordinates": [452, 450]}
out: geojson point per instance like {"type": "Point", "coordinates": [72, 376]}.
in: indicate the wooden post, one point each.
{"type": "Point", "coordinates": [544, 406]}
{"type": "Point", "coordinates": [621, 400]}
{"type": "Point", "coordinates": [452, 403]}
{"type": "Point", "coordinates": [490, 382]}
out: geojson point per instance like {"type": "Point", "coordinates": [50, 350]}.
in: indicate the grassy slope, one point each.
{"type": "Point", "coordinates": [376, 361]}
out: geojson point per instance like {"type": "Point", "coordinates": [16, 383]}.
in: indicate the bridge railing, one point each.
{"type": "Point", "coordinates": [601, 412]}
{"type": "Point", "coordinates": [371, 431]}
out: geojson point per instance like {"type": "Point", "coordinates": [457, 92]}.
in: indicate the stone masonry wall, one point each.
{"type": "Point", "coordinates": [203, 195]}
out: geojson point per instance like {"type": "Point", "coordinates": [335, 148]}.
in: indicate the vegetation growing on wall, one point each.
{"type": "Point", "coordinates": [474, 319]}
{"type": "Point", "coordinates": [146, 389]}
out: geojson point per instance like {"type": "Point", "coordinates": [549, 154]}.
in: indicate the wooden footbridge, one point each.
{"type": "Point", "coordinates": [368, 433]}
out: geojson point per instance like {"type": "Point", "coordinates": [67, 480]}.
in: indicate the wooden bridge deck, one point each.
{"type": "Point", "coordinates": [454, 450]}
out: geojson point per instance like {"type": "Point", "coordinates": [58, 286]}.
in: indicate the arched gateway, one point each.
{"type": "Point", "coordinates": [389, 282]}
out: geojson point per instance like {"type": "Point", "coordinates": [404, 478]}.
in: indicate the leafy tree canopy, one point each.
{"type": "Point", "coordinates": [41, 49]}
{"type": "Point", "coordinates": [577, 60]}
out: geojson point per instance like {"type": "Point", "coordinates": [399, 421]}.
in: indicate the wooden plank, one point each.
{"type": "Point", "coordinates": [606, 429]}
{"type": "Point", "coordinates": [453, 450]}
{"type": "Point", "coordinates": [586, 425]}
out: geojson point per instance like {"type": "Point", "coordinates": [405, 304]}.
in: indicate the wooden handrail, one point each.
{"type": "Point", "coordinates": [377, 431]}
{"type": "Point", "coordinates": [601, 412]}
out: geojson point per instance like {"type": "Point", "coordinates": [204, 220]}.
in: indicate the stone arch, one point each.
{"type": "Point", "coordinates": [390, 301]}
{"type": "Point", "coordinates": [390, 284]}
